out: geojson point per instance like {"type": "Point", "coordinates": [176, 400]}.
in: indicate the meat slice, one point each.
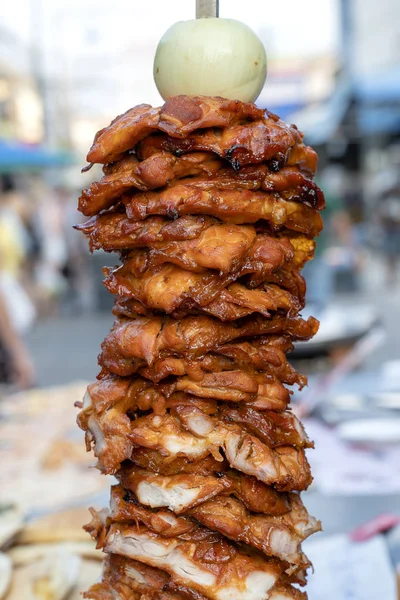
{"type": "Point", "coordinates": [176, 291]}
{"type": "Point", "coordinates": [199, 242]}
{"type": "Point", "coordinates": [154, 338]}
{"type": "Point", "coordinates": [123, 133]}
{"type": "Point", "coordinates": [179, 115]}
{"type": "Point", "coordinates": [284, 467]}
{"type": "Point", "coordinates": [184, 491]}
{"type": "Point", "coordinates": [127, 579]}
{"type": "Point", "coordinates": [154, 172]}
{"type": "Point", "coordinates": [290, 182]}
{"type": "Point", "coordinates": [265, 140]}
{"type": "Point", "coordinates": [114, 231]}
{"type": "Point", "coordinates": [231, 206]}
{"type": "Point", "coordinates": [274, 536]}
{"type": "Point", "coordinates": [202, 561]}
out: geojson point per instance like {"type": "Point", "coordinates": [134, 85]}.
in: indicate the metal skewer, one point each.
{"type": "Point", "coordinates": [206, 9]}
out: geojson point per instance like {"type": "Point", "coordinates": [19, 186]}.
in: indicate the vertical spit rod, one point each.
{"type": "Point", "coordinates": [207, 8]}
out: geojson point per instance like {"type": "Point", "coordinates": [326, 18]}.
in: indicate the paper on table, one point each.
{"type": "Point", "coordinates": [346, 570]}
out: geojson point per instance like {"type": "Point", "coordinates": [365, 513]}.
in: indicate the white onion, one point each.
{"type": "Point", "coordinates": [211, 57]}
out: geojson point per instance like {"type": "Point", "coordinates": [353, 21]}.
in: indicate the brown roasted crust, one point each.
{"type": "Point", "coordinates": [212, 207]}
{"type": "Point", "coordinates": [178, 117]}
{"type": "Point", "coordinates": [177, 291]}
{"type": "Point", "coordinates": [154, 338]}
{"type": "Point", "coordinates": [161, 168]}
{"type": "Point", "coordinates": [266, 140]}
{"type": "Point", "coordinates": [154, 172]}
{"type": "Point", "coordinates": [123, 133]}
{"type": "Point", "coordinates": [181, 115]}
{"type": "Point", "coordinates": [237, 206]}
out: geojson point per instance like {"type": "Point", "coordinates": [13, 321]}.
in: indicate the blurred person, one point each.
{"type": "Point", "coordinates": [52, 255]}
{"type": "Point", "coordinates": [16, 309]}
{"type": "Point", "coordinates": [16, 366]}
{"type": "Point", "coordinates": [389, 217]}
{"type": "Point", "coordinates": [76, 269]}
{"type": "Point", "coordinates": [14, 249]}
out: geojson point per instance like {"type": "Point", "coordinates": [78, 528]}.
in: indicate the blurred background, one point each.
{"type": "Point", "coordinates": [67, 67]}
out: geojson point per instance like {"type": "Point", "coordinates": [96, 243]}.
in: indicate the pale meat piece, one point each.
{"type": "Point", "coordinates": [115, 437]}
{"type": "Point", "coordinates": [285, 467]}
{"type": "Point", "coordinates": [123, 578]}
{"type": "Point", "coordinates": [265, 140]}
{"type": "Point", "coordinates": [187, 490]}
{"type": "Point", "coordinates": [154, 172]}
{"type": "Point", "coordinates": [202, 560]}
{"type": "Point", "coordinates": [273, 428]}
{"type": "Point", "coordinates": [123, 133]}
{"type": "Point", "coordinates": [126, 579]}
{"type": "Point", "coordinates": [239, 206]}
{"type": "Point", "coordinates": [274, 536]}
{"type": "Point", "coordinates": [178, 117]}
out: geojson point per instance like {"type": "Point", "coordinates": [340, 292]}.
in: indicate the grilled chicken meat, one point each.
{"type": "Point", "coordinates": [212, 207]}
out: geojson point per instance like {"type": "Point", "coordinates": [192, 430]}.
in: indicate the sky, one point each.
{"type": "Point", "coordinates": [289, 27]}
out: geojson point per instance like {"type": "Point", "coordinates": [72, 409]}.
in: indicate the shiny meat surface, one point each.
{"type": "Point", "coordinates": [238, 206]}
{"type": "Point", "coordinates": [211, 205]}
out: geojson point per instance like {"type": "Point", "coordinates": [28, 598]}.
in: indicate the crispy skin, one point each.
{"type": "Point", "coordinates": [181, 115]}
{"type": "Point", "coordinates": [161, 168]}
{"type": "Point", "coordinates": [178, 117]}
{"type": "Point", "coordinates": [123, 133]}
{"type": "Point", "coordinates": [154, 172]}
{"type": "Point", "coordinates": [267, 355]}
{"type": "Point", "coordinates": [231, 206]}
{"type": "Point", "coordinates": [272, 428]}
{"type": "Point", "coordinates": [266, 140]}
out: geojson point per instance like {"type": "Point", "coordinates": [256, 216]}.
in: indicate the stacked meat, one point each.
{"type": "Point", "coordinates": [212, 207]}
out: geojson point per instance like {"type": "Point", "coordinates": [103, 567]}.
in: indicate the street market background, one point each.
{"type": "Point", "coordinates": [66, 69]}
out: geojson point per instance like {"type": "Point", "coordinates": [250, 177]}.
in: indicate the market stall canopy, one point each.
{"type": "Point", "coordinates": [15, 156]}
